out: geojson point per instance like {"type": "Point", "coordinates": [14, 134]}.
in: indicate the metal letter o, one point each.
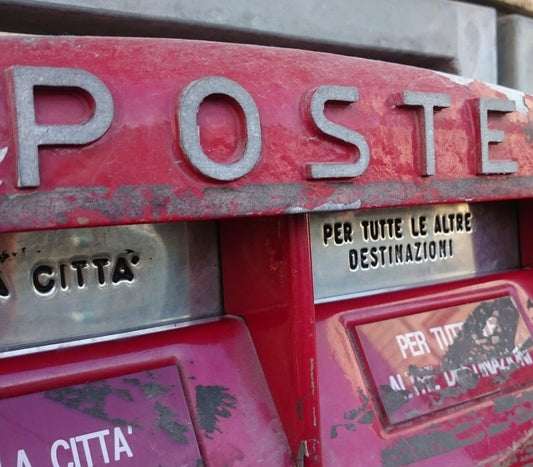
{"type": "Point", "coordinates": [189, 105]}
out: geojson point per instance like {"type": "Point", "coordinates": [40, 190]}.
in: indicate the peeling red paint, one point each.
{"type": "Point", "coordinates": [139, 157]}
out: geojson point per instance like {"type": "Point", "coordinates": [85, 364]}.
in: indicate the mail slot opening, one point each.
{"type": "Point", "coordinates": [65, 285]}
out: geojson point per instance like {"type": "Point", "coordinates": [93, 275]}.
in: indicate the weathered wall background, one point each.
{"type": "Point", "coordinates": [486, 40]}
{"type": "Point", "coordinates": [521, 6]}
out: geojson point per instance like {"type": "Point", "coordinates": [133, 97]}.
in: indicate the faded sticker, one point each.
{"type": "Point", "coordinates": [360, 415]}
{"type": "Point", "coordinates": [138, 419]}
{"type": "Point", "coordinates": [429, 361]}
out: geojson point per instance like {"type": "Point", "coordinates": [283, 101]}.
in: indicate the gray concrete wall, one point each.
{"type": "Point", "coordinates": [455, 37]}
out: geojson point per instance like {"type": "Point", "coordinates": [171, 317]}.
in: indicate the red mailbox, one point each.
{"type": "Point", "coordinates": [229, 254]}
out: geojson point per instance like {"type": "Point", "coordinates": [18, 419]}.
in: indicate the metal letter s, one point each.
{"type": "Point", "coordinates": [340, 170]}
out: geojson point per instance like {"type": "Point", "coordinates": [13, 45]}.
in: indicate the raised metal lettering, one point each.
{"type": "Point", "coordinates": [30, 135]}
{"type": "Point", "coordinates": [429, 102]}
{"type": "Point", "coordinates": [360, 252]}
{"type": "Point", "coordinates": [43, 279]}
{"type": "Point", "coordinates": [189, 106]}
{"type": "Point", "coordinates": [4, 289]}
{"type": "Point", "coordinates": [102, 281]}
{"type": "Point", "coordinates": [486, 166]}
{"type": "Point", "coordinates": [343, 94]}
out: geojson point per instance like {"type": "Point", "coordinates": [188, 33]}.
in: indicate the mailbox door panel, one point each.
{"type": "Point", "coordinates": [213, 366]}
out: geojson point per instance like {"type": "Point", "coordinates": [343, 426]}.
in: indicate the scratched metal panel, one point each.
{"type": "Point", "coordinates": [136, 419]}
{"type": "Point", "coordinates": [358, 252]}
{"type": "Point", "coordinates": [61, 285]}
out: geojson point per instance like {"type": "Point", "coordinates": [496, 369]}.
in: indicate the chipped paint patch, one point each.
{"type": "Point", "coordinates": [512, 413]}
{"type": "Point", "coordinates": [338, 206]}
{"type": "Point", "coordinates": [149, 389]}
{"type": "Point", "coordinates": [361, 415]}
{"type": "Point", "coordinates": [326, 207]}
{"type": "Point", "coordinates": [212, 404]}
{"type": "Point", "coordinates": [425, 446]}
{"type": "Point", "coordinates": [61, 208]}
{"type": "Point", "coordinates": [167, 422]}
{"type": "Point", "coordinates": [92, 399]}
{"type": "Point", "coordinates": [518, 97]}
{"type": "Point", "coordinates": [496, 428]}
{"type": "Point", "coordinates": [461, 80]}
